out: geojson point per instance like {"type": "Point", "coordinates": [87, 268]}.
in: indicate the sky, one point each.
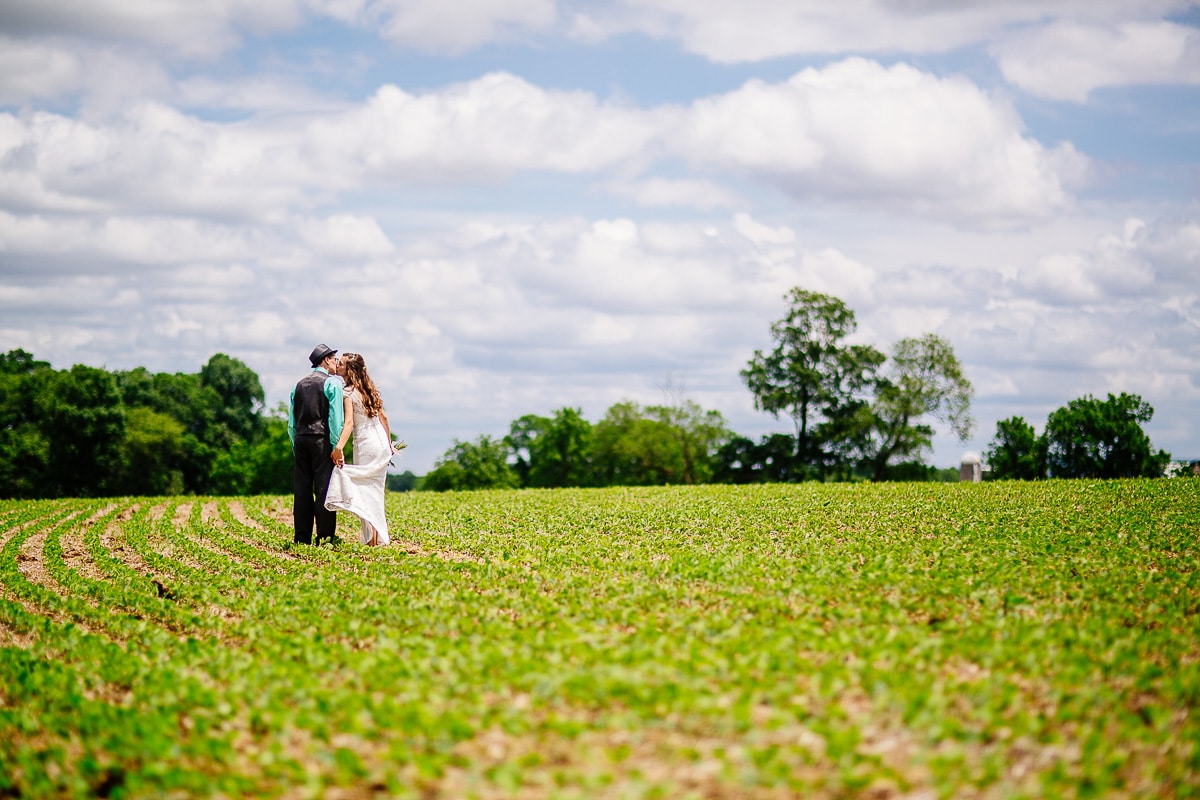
{"type": "Point", "coordinates": [512, 206]}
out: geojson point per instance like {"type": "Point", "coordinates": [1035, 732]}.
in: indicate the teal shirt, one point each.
{"type": "Point", "coordinates": [337, 413]}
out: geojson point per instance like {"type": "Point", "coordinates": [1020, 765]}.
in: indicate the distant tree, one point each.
{"type": "Point", "coordinates": [404, 482]}
{"type": "Point", "coordinates": [812, 373]}
{"type": "Point", "coordinates": [698, 433]}
{"type": "Point", "coordinates": [239, 398]}
{"type": "Point", "coordinates": [150, 454]}
{"type": "Point", "coordinates": [656, 445]}
{"type": "Point", "coordinates": [24, 450]}
{"type": "Point", "coordinates": [271, 456]}
{"type": "Point", "coordinates": [552, 451]}
{"type": "Point", "coordinates": [923, 379]}
{"type": "Point", "coordinates": [1016, 452]}
{"type": "Point", "coordinates": [20, 362]}
{"type": "Point", "coordinates": [631, 450]}
{"type": "Point", "coordinates": [80, 415]}
{"type": "Point", "coordinates": [737, 462]}
{"type": "Point", "coordinates": [481, 464]}
{"type": "Point", "coordinates": [523, 432]}
{"type": "Point", "coordinates": [185, 399]}
{"type": "Point", "coordinates": [920, 472]}
{"type": "Point", "coordinates": [1090, 438]}
{"type": "Point", "coordinates": [260, 466]}
{"type": "Point", "coordinates": [770, 460]}
{"type": "Point", "coordinates": [85, 431]}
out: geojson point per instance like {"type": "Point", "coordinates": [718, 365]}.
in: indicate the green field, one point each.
{"type": "Point", "coordinates": [895, 640]}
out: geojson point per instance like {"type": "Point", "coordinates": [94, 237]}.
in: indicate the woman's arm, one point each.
{"type": "Point", "coordinates": [386, 427]}
{"type": "Point", "coordinates": [338, 456]}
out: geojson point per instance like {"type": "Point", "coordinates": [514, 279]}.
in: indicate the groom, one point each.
{"type": "Point", "coordinates": [315, 419]}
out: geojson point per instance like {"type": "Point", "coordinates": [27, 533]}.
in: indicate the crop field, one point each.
{"type": "Point", "coordinates": [899, 640]}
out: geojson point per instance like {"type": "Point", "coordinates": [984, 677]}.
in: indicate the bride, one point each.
{"type": "Point", "coordinates": [358, 487]}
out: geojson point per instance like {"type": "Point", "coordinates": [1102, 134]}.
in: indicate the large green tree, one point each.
{"type": "Point", "coordinates": [552, 451]}
{"type": "Point", "coordinates": [698, 433]}
{"type": "Point", "coordinates": [221, 410]}
{"type": "Point", "coordinates": [184, 398]}
{"type": "Point", "coordinates": [151, 454]}
{"type": "Point", "coordinates": [811, 373]}
{"type": "Point", "coordinates": [80, 414]}
{"type": "Point", "coordinates": [24, 450]}
{"type": "Point", "coordinates": [479, 464]}
{"type": "Point", "coordinates": [239, 404]}
{"type": "Point", "coordinates": [742, 460]}
{"type": "Point", "coordinates": [1091, 438]}
{"type": "Point", "coordinates": [655, 445]}
{"type": "Point", "coordinates": [923, 379]}
{"type": "Point", "coordinates": [1016, 452]}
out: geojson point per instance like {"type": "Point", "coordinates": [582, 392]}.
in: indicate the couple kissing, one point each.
{"type": "Point", "coordinates": [335, 400]}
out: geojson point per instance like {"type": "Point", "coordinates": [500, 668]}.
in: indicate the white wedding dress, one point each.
{"type": "Point", "coordinates": [358, 487]}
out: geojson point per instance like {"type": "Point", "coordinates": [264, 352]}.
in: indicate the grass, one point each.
{"type": "Point", "coordinates": [900, 640]}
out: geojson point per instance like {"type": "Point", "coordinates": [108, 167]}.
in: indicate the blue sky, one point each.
{"type": "Point", "coordinates": [509, 206]}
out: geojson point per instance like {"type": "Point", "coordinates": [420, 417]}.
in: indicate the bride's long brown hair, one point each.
{"type": "Point", "coordinates": [357, 378]}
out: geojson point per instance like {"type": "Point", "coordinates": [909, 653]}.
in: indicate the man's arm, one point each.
{"type": "Point", "coordinates": [292, 416]}
{"type": "Point", "coordinates": [338, 456]}
{"type": "Point", "coordinates": [337, 415]}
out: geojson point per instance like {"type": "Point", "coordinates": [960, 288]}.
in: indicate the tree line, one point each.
{"type": "Point", "coordinates": [857, 414]}
{"type": "Point", "coordinates": [1086, 438]}
{"type": "Point", "coordinates": [89, 432]}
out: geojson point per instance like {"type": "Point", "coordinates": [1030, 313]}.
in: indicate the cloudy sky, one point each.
{"type": "Point", "coordinates": [510, 206]}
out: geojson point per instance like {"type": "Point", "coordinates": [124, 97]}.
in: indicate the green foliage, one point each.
{"type": "Point", "coordinates": [240, 398]}
{"type": "Point", "coordinates": [1102, 439]}
{"type": "Point", "coordinates": [404, 482]}
{"type": "Point", "coordinates": [1016, 452]}
{"type": "Point", "coordinates": [481, 464]}
{"type": "Point", "coordinates": [24, 450]}
{"type": "Point", "coordinates": [864, 413]}
{"type": "Point", "coordinates": [923, 379]}
{"type": "Point", "coordinates": [88, 432]}
{"type": "Point", "coordinates": [631, 446]}
{"type": "Point", "coordinates": [969, 640]}
{"type": "Point", "coordinates": [20, 362]}
{"type": "Point", "coordinates": [812, 373]}
{"type": "Point", "coordinates": [632, 449]}
{"type": "Point", "coordinates": [81, 419]}
{"type": "Point", "coordinates": [552, 452]}
{"type": "Point", "coordinates": [151, 453]}
{"type": "Point", "coordinates": [261, 466]}
{"type": "Point", "coordinates": [656, 445]}
{"type": "Point", "coordinates": [771, 460]}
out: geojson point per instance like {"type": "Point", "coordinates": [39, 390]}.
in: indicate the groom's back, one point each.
{"type": "Point", "coordinates": [310, 405]}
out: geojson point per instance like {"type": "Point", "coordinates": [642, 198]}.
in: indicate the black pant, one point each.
{"type": "Point", "coordinates": [310, 482]}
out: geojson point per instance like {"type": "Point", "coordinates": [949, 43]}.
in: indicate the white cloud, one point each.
{"type": "Point", "coordinates": [184, 27]}
{"type": "Point", "coordinates": [345, 236]}
{"type": "Point", "coordinates": [30, 70]}
{"type": "Point", "coordinates": [754, 30]}
{"type": "Point", "coordinates": [483, 129]}
{"type": "Point", "coordinates": [1066, 60]}
{"type": "Point", "coordinates": [129, 241]}
{"type": "Point", "coordinates": [681, 192]}
{"type": "Point", "coordinates": [761, 234]}
{"type": "Point", "coordinates": [890, 136]}
{"type": "Point", "coordinates": [442, 27]}
{"type": "Point", "coordinates": [1113, 268]}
